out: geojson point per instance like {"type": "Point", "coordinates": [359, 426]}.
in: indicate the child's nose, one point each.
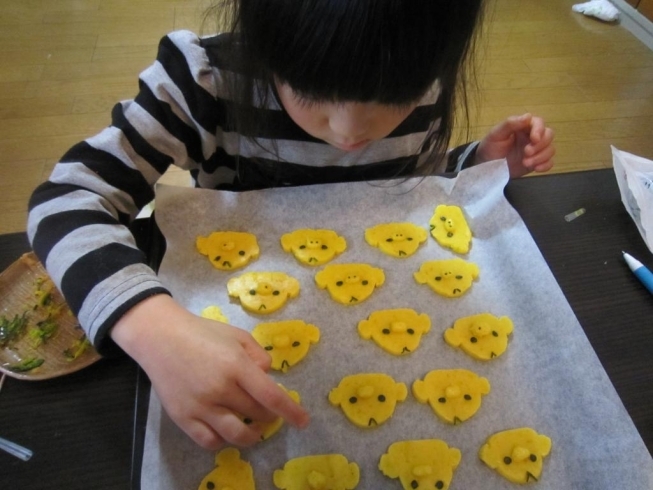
{"type": "Point", "coordinates": [349, 120]}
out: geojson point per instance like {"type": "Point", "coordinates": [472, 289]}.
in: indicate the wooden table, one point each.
{"type": "Point", "coordinates": [86, 429]}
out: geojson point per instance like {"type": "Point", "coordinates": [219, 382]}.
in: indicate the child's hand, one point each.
{"type": "Point", "coordinates": [525, 141]}
{"type": "Point", "coordinates": [204, 372]}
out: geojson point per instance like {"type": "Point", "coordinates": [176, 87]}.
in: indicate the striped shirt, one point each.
{"type": "Point", "coordinates": [78, 219]}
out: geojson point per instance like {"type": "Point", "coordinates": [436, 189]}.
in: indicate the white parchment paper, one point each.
{"type": "Point", "coordinates": [549, 378]}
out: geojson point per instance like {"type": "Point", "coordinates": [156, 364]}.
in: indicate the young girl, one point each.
{"type": "Point", "coordinates": [295, 93]}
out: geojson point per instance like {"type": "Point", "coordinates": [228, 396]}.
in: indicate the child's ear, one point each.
{"type": "Point", "coordinates": [424, 322]}
{"type": "Point", "coordinates": [287, 241]}
{"type": "Point", "coordinates": [313, 334]}
{"type": "Point", "coordinates": [202, 245]}
{"type": "Point", "coordinates": [419, 391]}
{"type": "Point", "coordinates": [379, 277]}
{"type": "Point", "coordinates": [452, 337]}
{"type": "Point", "coordinates": [341, 244]}
{"type": "Point", "coordinates": [365, 329]}
{"type": "Point", "coordinates": [420, 277]}
{"type": "Point", "coordinates": [401, 392]}
{"type": "Point", "coordinates": [454, 456]}
{"type": "Point", "coordinates": [321, 279]}
{"type": "Point", "coordinates": [506, 324]}
{"type": "Point", "coordinates": [335, 397]}
{"type": "Point", "coordinates": [372, 237]}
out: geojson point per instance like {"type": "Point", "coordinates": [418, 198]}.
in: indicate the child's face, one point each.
{"type": "Point", "coordinates": [349, 126]}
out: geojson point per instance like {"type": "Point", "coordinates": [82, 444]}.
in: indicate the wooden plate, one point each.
{"type": "Point", "coordinates": [22, 288]}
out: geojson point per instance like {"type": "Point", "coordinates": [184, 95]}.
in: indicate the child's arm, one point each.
{"type": "Point", "coordinates": [525, 141]}
{"type": "Point", "coordinates": [204, 371]}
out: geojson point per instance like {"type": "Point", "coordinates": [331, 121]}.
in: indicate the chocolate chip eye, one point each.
{"type": "Point", "coordinates": [473, 340]}
{"type": "Point", "coordinates": [275, 293]}
{"type": "Point", "coordinates": [339, 283]}
{"type": "Point", "coordinates": [252, 292]}
{"type": "Point", "coordinates": [365, 283]}
{"type": "Point", "coordinates": [494, 333]}
{"type": "Point", "coordinates": [210, 485]}
{"type": "Point", "coordinates": [386, 331]}
{"type": "Point", "coordinates": [467, 397]}
{"type": "Point", "coordinates": [507, 460]}
{"type": "Point", "coordinates": [443, 218]}
{"type": "Point", "coordinates": [217, 259]}
{"type": "Point", "coordinates": [268, 347]}
{"type": "Point", "coordinates": [410, 238]}
{"type": "Point", "coordinates": [533, 458]}
{"type": "Point", "coordinates": [353, 399]}
{"type": "Point", "coordinates": [302, 247]}
{"type": "Point", "coordinates": [449, 234]}
{"type": "Point", "coordinates": [324, 247]}
{"type": "Point", "coordinates": [381, 398]}
{"type": "Point", "coordinates": [295, 343]}
{"type": "Point", "coordinates": [389, 240]}
{"type": "Point", "coordinates": [410, 331]}
{"type": "Point", "coordinates": [414, 484]}
{"type": "Point", "coordinates": [439, 484]}
{"type": "Point", "coordinates": [442, 400]}
{"type": "Point", "coordinates": [438, 278]}
{"type": "Point", "coordinates": [241, 253]}
{"type": "Point", "coordinates": [459, 277]}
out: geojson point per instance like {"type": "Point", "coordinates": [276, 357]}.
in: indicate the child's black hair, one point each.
{"type": "Point", "coordinates": [385, 51]}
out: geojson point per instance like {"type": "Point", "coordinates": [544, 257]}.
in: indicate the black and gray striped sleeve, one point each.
{"type": "Point", "coordinates": [78, 219]}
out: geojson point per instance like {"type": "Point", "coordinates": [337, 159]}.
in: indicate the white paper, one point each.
{"type": "Point", "coordinates": [635, 180]}
{"type": "Point", "coordinates": [549, 378]}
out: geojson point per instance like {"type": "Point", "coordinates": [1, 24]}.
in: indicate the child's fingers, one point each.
{"type": "Point", "coordinates": [242, 403]}
{"type": "Point", "coordinates": [229, 427]}
{"type": "Point", "coordinates": [540, 159]}
{"type": "Point", "coordinates": [257, 353]}
{"type": "Point", "coordinates": [203, 435]}
{"type": "Point", "coordinates": [261, 387]}
{"type": "Point", "coordinates": [510, 126]}
{"type": "Point", "coordinates": [545, 140]}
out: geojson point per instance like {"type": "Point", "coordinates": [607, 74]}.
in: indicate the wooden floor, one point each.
{"type": "Point", "coordinates": [64, 63]}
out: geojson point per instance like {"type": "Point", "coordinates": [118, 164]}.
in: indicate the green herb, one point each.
{"type": "Point", "coordinates": [26, 365]}
{"type": "Point", "coordinates": [43, 331]}
{"type": "Point", "coordinates": [11, 330]}
{"type": "Point", "coordinates": [77, 349]}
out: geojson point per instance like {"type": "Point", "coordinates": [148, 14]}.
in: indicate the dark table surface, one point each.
{"type": "Point", "coordinates": [86, 429]}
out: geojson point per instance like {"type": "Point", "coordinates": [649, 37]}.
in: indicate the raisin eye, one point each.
{"type": "Point", "coordinates": [494, 333]}
{"type": "Point", "coordinates": [410, 239]}
{"type": "Point", "coordinates": [365, 283]}
{"type": "Point", "coordinates": [410, 331]}
{"type": "Point", "coordinates": [438, 278]}
{"type": "Point", "coordinates": [302, 247]}
{"type": "Point", "coordinates": [353, 399]}
{"type": "Point", "coordinates": [442, 400]}
{"type": "Point", "coordinates": [389, 240]}
{"type": "Point", "coordinates": [247, 421]}
{"type": "Point", "coordinates": [275, 293]}
{"type": "Point", "coordinates": [507, 460]}
{"type": "Point", "coordinates": [339, 283]}
{"type": "Point", "coordinates": [381, 398]}
{"type": "Point", "coordinates": [459, 277]}
{"type": "Point", "coordinates": [467, 397]}
{"type": "Point", "coordinates": [217, 259]}
{"type": "Point", "coordinates": [473, 340]}
{"type": "Point", "coordinates": [252, 292]}
{"type": "Point", "coordinates": [439, 484]}
{"type": "Point", "coordinates": [268, 347]}
{"type": "Point", "coordinates": [324, 247]}
{"type": "Point", "coordinates": [533, 458]}
{"type": "Point", "coordinates": [414, 484]}
{"type": "Point", "coordinates": [386, 331]}
{"type": "Point", "coordinates": [295, 344]}
{"type": "Point", "coordinates": [449, 234]}
{"type": "Point", "coordinates": [210, 485]}
{"type": "Point", "coordinates": [241, 253]}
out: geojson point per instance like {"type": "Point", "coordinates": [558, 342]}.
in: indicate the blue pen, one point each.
{"type": "Point", "coordinates": [640, 270]}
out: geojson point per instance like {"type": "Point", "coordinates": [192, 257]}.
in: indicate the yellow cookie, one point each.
{"type": "Point", "coordinates": [427, 464]}
{"type": "Point", "coordinates": [368, 399]}
{"type": "Point", "coordinates": [228, 250]}
{"type": "Point", "coordinates": [450, 278]}
{"type": "Point", "coordinates": [214, 313]}
{"type": "Point", "coordinates": [230, 472]}
{"type": "Point", "coordinates": [313, 247]}
{"type": "Point", "coordinates": [396, 331]}
{"type": "Point", "coordinates": [350, 284]}
{"type": "Point", "coordinates": [516, 454]}
{"type": "Point", "coordinates": [454, 394]}
{"type": "Point", "coordinates": [287, 341]}
{"type": "Point", "coordinates": [319, 472]}
{"type": "Point", "coordinates": [263, 292]}
{"type": "Point", "coordinates": [396, 239]}
{"type": "Point", "coordinates": [449, 228]}
{"type": "Point", "coordinates": [271, 428]}
{"type": "Point", "coordinates": [482, 336]}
